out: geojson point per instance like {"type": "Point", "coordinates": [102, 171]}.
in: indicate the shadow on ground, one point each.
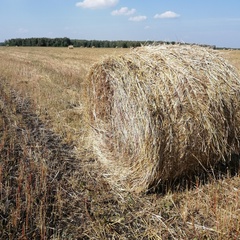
{"type": "Point", "coordinates": [229, 168]}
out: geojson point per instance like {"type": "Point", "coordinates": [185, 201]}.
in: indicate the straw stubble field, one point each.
{"type": "Point", "coordinates": [52, 186]}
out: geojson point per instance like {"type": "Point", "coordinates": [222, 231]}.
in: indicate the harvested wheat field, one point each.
{"type": "Point", "coordinates": [162, 111]}
{"type": "Point", "coordinates": [70, 120]}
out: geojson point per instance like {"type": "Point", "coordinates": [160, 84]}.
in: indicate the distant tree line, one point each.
{"type": "Point", "coordinates": [38, 42]}
{"type": "Point", "coordinates": [64, 42]}
{"type": "Point", "coordinates": [105, 43]}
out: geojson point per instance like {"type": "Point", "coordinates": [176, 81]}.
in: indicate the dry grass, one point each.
{"type": "Point", "coordinates": [51, 187]}
{"type": "Point", "coordinates": [233, 57]}
{"type": "Point", "coordinates": [162, 111]}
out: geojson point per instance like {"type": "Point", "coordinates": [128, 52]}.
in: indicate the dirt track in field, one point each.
{"type": "Point", "coordinates": [27, 143]}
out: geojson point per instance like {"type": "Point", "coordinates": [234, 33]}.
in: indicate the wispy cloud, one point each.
{"type": "Point", "coordinates": [167, 14]}
{"type": "Point", "coordinates": [123, 11]}
{"type": "Point", "coordinates": [22, 30]}
{"type": "Point", "coordinates": [96, 4]}
{"type": "Point", "coordinates": [137, 18]}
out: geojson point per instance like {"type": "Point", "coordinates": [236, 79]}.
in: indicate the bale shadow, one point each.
{"type": "Point", "coordinates": [189, 181]}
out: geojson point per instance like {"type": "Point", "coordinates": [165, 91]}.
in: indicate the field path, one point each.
{"type": "Point", "coordinates": [51, 193]}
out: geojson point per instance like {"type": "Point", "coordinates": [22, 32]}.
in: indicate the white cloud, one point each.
{"type": "Point", "coordinates": [123, 11]}
{"type": "Point", "coordinates": [137, 18]}
{"type": "Point", "coordinates": [95, 4]}
{"type": "Point", "coordinates": [167, 14]}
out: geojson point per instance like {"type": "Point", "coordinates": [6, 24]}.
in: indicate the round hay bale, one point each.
{"type": "Point", "coordinates": [162, 111]}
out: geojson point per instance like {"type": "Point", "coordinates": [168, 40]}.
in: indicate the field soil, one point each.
{"type": "Point", "coordinates": [53, 187]}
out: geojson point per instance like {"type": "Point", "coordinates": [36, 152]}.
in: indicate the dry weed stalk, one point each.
{"type": "Point", "coordinates": [163, 111]}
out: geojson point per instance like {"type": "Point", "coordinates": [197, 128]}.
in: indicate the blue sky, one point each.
{"type": "Point", "coordinates": [215, 22]}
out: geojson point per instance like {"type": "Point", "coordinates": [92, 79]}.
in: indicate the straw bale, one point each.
{"type": "Point", "coordinates": [159, 112]}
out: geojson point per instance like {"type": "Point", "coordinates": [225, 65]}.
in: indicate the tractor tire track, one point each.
{"type": "Point", "coordinates": [33, 156]}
